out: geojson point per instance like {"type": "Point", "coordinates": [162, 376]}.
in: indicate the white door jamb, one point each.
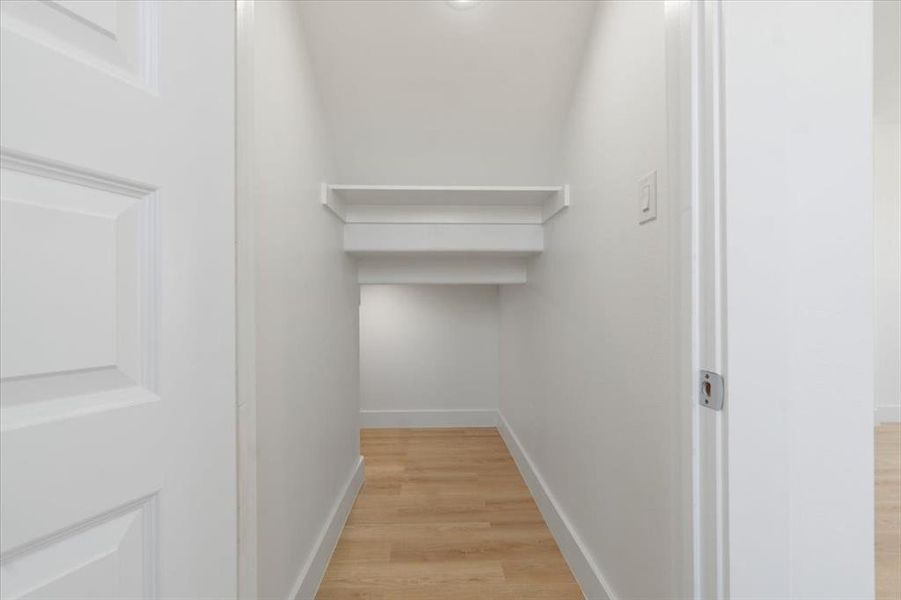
{"type": "Point", "coordinates": [694, 101]}
{"type": "Point", "coordinates": [245, 257]}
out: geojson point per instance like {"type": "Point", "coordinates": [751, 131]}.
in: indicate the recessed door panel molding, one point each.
{"type": "Point", "coordinates": [119, 37]}
{"type": "Point", "coordinates": [78, 280]}
{"type": "Point", "coordinates": [72, 465]}
{"type": "Point", "coordinates": [81, 561]}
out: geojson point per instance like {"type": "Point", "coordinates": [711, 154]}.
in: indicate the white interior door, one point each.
{"type": "Point", "coordinates": [117, 299]}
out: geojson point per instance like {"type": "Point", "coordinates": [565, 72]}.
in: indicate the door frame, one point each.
{"type": "Point", "coordinates": [245, 291]}
{"type": "Point", "coordinates": [696, 184]}
{"type": "Point", "coordinates": [695, 111]}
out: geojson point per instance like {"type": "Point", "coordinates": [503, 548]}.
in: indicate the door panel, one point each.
{"type": "Point", "coordinates": [81, 417]}
{"type": "Point", "coordinates": [79, 257]}
{"type": "Point", "coordinates": [113, 557]}
{"type": "Point", "coordinates": [117, 441]}
{"type": "Point", "coordinates": [115, 36]}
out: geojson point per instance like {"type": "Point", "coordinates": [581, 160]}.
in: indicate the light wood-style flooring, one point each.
{"type": "Point", "coordinates": [888, 511]}
{"type": "Point", "coordinates": [444, 515]}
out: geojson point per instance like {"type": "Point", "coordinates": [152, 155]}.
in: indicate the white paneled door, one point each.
{"type": "Point", "coordinates": [117, 438]}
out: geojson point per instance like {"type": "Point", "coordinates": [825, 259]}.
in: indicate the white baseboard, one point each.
{"type": "Point", "coordinates": [429, 418]}
{"type": "Point", "coordinates": [888, 414]}
{"type": "Point", "coordinates": [310, 577]}
{"type": "Point", "coordinates": [585, 570]}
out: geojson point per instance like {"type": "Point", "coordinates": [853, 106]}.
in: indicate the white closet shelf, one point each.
{"type": "Point", "coordinates": [443, 234]}
{"type": "Point", "coordinates": [521, 205]}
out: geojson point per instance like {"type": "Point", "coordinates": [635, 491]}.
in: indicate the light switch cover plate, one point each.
{"type": "Point", "coordinates": [647, 198]}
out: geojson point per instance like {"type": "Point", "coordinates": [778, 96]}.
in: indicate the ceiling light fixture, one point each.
{"type": "Point", "coordinates": [463, 4]}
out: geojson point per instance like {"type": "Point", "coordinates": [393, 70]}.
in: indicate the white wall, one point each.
{"type": "Point", "coordinates": [887, 194]}
{"type": "Point", "coordinates": [799, 261]}
{"type": "Point", "coordinates": [306, 310]}
{"type": "Point", "coordinates": [428, 348]}
{"type": "Point", "coordinates": [587, 379]}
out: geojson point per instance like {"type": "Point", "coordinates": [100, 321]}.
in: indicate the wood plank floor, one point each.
{"type": "Point", "coordinates": [444, 514]}
{"type": "Point", "coordinates": [888, 511]}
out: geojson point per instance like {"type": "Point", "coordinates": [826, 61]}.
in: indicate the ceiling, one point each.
{"type": "Point", "coordinates": [420, 93]}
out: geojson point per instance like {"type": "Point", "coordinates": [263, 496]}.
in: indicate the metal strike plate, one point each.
{"type": "Point", "coordinates": [711, 390]}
